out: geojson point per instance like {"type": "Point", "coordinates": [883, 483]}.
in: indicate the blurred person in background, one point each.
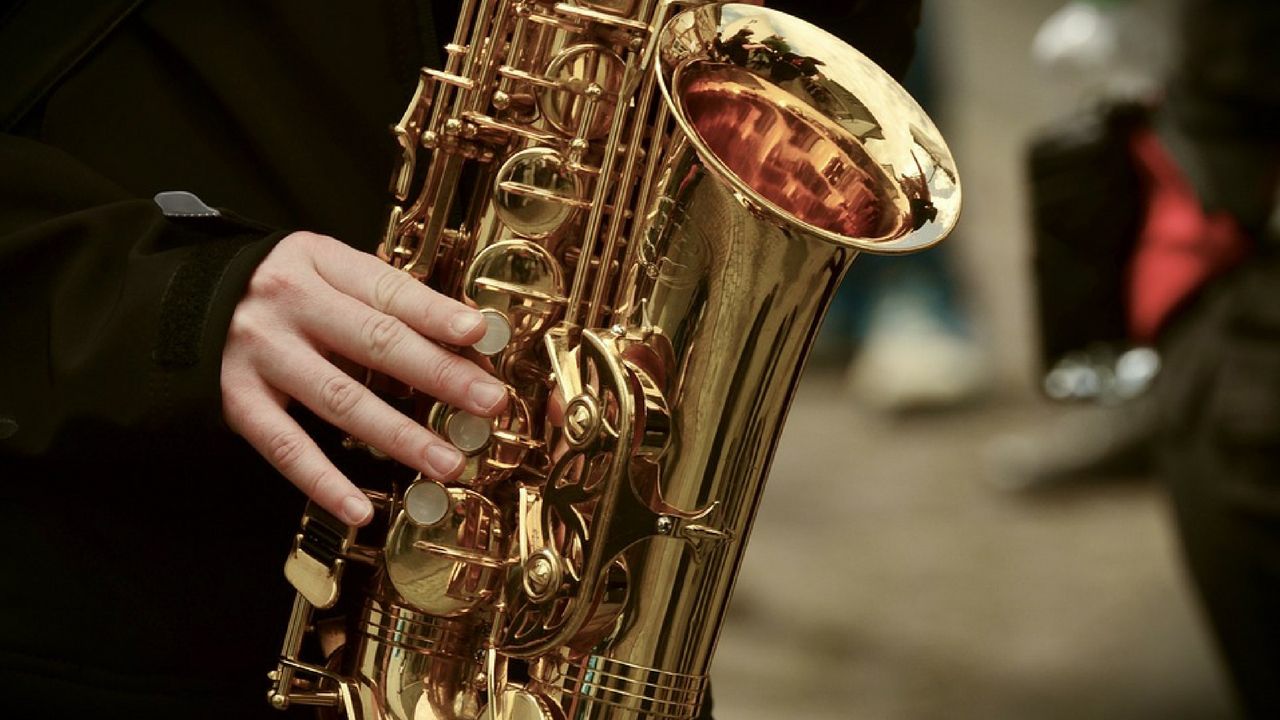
{"type": "Point", "coordinates": [1110, 59]}
{"type": "Point", "coordinates": [1196, 267]}
{"type": "Point", "coordinates": [1205, 284]}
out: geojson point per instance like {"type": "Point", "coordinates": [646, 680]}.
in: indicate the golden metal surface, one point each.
{"type": "Point", "coordinates": [316, 563]}
{"type": "Point", "coordinates": [446, 568]}
{"type": "Point", "coordinates": [663, 204]}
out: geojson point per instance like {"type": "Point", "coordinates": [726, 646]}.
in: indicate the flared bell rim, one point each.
{"type": "Point", "coordinates": [842, 95]}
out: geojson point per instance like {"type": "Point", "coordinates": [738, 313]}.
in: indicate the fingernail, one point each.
{"type": "Point", "coordinates": [356, 509]}
{"type": "Point", "coordinates": [443, 459]}
{"type": "Point", "coordinates": [486, 393]}
{"type": "Point", "coordinates": [466, 321]}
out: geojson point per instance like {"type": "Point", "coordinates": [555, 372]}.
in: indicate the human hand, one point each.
{"type": "Point", "coordinates": [311, 296]}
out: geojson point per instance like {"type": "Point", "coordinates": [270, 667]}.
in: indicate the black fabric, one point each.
{"type": "Point", "coordinates": [144, 542]}
{"type": "Point", "coordinates": [1223, 107]}
{"type": "Point", "coordinates": [39, 60]}
{"type": "Point", "coordinates": [1219, 391]}
{"type": "Point", "coordinates": [1219, 398]}
{"type": "Point", "coordinates": [883, 30]}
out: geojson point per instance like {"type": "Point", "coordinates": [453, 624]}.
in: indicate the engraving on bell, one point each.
{"type": "Point", "coordinates": [535, 194]}
{"type": "Point", "coordinates": [497, 333]}
{"type": "Point", "coordinates": [427, 503]}
{"type": "Point", "coordinates": [470, 433]}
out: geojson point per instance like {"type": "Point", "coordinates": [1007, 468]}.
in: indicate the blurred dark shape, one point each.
{"type": "Point", "coordinates": [1219, 399]}
{"type": "Point", "coordinates": [882, 30]}
{"type": "Point", "coordinates": [1086, 208]}
{"type": "Point", "coordinates": [1166, 229]}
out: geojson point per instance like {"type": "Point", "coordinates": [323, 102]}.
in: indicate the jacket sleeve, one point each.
{"type": "Point", "coordinates": [112, 316]}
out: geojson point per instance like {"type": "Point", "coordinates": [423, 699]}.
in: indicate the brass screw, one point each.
{"type": "Point", "coordinates": [579, 420]}
{"type": "Point", "coordinates": [665, 524]}
{"type": "Point", "coordinates": [540, 577]}
{"type": "Point", "coordinates": [540, 574]}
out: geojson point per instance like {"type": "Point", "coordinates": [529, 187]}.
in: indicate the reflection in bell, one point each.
{"type": "Point", "coordinates": [800, 161]}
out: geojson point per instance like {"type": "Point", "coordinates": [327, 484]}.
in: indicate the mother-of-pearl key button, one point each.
{"type": "Point", "coordinates": [426, 502]}
{"type": "Point", "coordinates": [469, 433]}
{"type": "Point", "coordinates": [497, 333]}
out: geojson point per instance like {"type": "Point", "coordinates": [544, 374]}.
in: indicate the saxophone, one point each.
{"type": "Point", "coordinates": [652, 203]}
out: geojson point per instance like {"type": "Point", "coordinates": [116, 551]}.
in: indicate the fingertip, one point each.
{"type": "Point", "coordinates": [467, 326]}
{"type": "Point", "coordinates": [356, 510]}
{"type": "Point", "coordinates": [444, 462]}
{"type": "Point", "coordinates": [500, 406]}
{"type": "Point", "coordinates": [488, 396]}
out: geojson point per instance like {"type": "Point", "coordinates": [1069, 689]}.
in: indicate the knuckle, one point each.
{"type": "Point", "coordinates": [315, 484]}
{"type": "Point", "coordinates": [273, 283]}
{"type": "Point", "coordinates": [440, 309]}
{"type": "Point", "coordinates": [285, 449]}
{"type": "Point", "coordinates": [388, 287]}
{"type": "Point", "coordinates": [447, 373]}
{"type": "Point", "coordinates": [403, 435]}
{"type": "Point", "coordinates": [382, 333]}
{"type": "Point", "coordinates": [246, 329]}
{"type": "Point", "coordinates": [304, 240]}
{"type": "Point", "coordinates": [340, 394]}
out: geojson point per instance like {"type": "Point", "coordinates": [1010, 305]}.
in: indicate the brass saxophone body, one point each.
{"type": "Point", "coordinates": [653, 203]}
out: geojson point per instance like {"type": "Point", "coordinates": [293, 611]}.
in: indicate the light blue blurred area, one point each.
{"type": "Point", "coordinates": [928, 276]}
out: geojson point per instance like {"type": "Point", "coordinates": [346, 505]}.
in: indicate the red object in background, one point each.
{"type": "Point", "coordinates": [1179, 247]}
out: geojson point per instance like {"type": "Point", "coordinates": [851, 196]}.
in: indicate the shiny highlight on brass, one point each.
{"type": "Point", "coordinates": [653, 203]}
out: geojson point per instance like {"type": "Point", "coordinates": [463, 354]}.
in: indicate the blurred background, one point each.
{"type": "Point", "coordinates": [937, 538]}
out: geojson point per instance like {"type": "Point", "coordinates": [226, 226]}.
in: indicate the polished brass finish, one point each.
{"type": "Point", "coordinates": [446, 567]}
{"type": "Point", "coordinates": [666, 196]}
{"type": "Point", "coordinates": [316, 563]}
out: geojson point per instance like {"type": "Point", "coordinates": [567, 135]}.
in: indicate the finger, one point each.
{"type": "Point", "coordinates": [279, 439]}
{"type": "Point", "coordinates": [484, 362]}
{"type": "Point", "coordinates": [336, 397]}
{"type": "Point", "coordinates": [385, 343]}
{"type": "Point", "coordinates": [395, 292]}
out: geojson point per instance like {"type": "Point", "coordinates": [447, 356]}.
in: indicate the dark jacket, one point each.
{"type": "Point", "coordinates": [143, 542]}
